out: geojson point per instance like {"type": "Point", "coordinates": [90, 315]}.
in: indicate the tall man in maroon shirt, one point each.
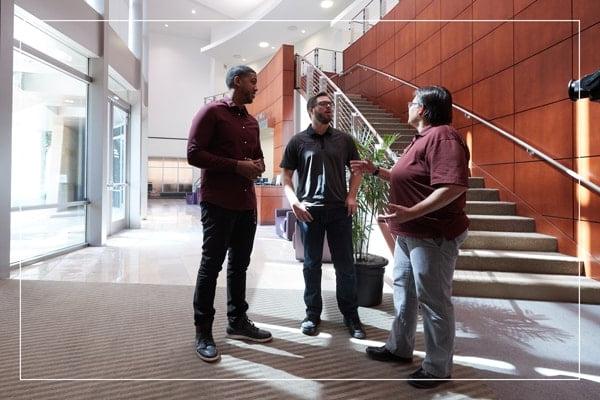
{"type": "Point", "coordinates": [224, 143]}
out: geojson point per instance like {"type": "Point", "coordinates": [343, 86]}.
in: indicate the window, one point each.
{"type": "Point", "coordinates": [48, 211]}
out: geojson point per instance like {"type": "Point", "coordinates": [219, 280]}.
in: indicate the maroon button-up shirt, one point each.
{"type": "Point", "coordinates": [221, 134]}
{"type": "Point", "coordinates": [437, 156]}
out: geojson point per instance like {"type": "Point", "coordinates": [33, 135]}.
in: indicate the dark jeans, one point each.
{"type": "Point", "coordinates": [224, 231]}
{"type": "Point", "coordinates": [338, 225]}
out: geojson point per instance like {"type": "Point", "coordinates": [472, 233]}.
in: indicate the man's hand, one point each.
{"type": "Point", "coordinates": [301, 212]}
{"type": "Point", "coordinates": [362, 166]}
{"type": "Point", "coordinates": [251, 169]}
{"type": "Point", "coordinates": [351, 205]}
{"type": "Point", "coordinates": [397, 213]}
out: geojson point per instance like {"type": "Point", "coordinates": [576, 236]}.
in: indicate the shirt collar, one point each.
{"type": "Point", "coordinates": [423, 132]}
{"type": "Point", "coordinates": [312, 132]}
{"type": "Point", "coordinates": [229, 102]}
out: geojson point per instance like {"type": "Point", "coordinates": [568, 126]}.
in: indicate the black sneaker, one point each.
{"type": "Point", "coordinates": [355, 328]}
{"type": "Point", "coordinates": [422, 379]}
{"type": "Point", "coordinates": [310, 325]}
{"type": "Point", "coordinates": [206, 348]}
{"type": "Point", "coordinates": [383, 354]}
{"type": "Point", "coordinates": [243, 328]}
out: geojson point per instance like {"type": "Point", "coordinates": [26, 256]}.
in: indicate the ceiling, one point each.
{"type": "Point", "coordinates": [232, 29]}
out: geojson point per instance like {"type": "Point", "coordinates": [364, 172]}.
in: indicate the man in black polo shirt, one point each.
{"type": "Point", "coordinates": [224, 143]}
{"type": "Point", "coordinates": [321, 203]}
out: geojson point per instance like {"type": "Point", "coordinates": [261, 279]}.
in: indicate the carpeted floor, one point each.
{"type": "Point", "coordinates": [107, 331]}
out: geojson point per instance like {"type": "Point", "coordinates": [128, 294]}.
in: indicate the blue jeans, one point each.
{"type": "Point", "coordinates": [423, 271]}
{"type": "Point", "coordinates": [338, 225]}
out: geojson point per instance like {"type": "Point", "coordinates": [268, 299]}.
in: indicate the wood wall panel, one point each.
{"type": "Point", "coordinates": [426, 29]}
{"type": "Point", "coordinates": [493, 97]}
{"type": "Point", "coordinates": [520, 5]}
{"type": "Point", "coordinates": [456, 35]}
{"type": "Point", "coordinates": [504, 175]}
{"type": "Point", "coordinates": [542, 78]}
{"type": "Point", "coordinates": [464, 98]}
{"type": "Point", "coordinates": [493, 52]}
{"type": "Point", "coordinates": [560, 203]}
{"type": "Point", "coordinates": [546, 33]}
{"type": "Point", "coordinates": [450, 9]}
{"type": "Point", "coordinates": [405, 67]}
{"type": "Point", "coordinates": [588, 11]}
{"type": "Point", "coordinates": [404, 40]}
{"type": "Point", "coordinates": [457, 72]}
{"type": "Point", "coordinates": [590, 54]}
{"type": "Point", "coordinates": [431, 77]}
{"type": "Point", "coordinates": [549, 128]}
{"type": "Point", "coordinates": [428, 54]}
{"type": "Point", "coordinates": [587, 120]}
{"type": "Point", "coordinates": [421, 5]}
{"type": "Point", "coordinates": [565, 225]}
{"type": "Point", "coordinates": [489, 147]}
{"type": "Point", "coordinates": [490, 10]}
{"type": "Point", "coordinates": [589, 203]}
{"type": "Point", "coordinates": [406, 9]}
{"type": "Point", "coordinates": [586, 231]}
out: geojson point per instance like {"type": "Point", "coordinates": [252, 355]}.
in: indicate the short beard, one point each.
{"type": "Point", "coordinates": [322, 118]}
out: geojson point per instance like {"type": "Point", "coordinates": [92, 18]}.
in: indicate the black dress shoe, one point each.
{"type": "Point", "coordinates": [310, 325]}
{"type": "Point", "coordinates": [355, 328]}
{"type": "Point", "coordinates": [383, 354]}
{"type": "Point", "coordinates": [243, 328]}
{"type": "Point", "coordinates": [422, 379]}
{"type": "Point", "coordinates": [206, 348]}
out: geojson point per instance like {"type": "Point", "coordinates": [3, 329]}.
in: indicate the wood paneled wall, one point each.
{"type": "Point", "coordinates": [514, 74]}
{"type": "Point", "coordinates": [275, 99]}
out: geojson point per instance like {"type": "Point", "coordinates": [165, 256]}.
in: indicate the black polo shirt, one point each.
{"type": "Point", "coordinates": [321, 162]}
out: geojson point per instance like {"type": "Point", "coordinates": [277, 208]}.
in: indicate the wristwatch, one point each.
{"type": "Point", "coordinates": [376, 172]}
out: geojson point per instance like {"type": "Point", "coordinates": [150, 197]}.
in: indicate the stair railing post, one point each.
{"type": "Point", "coordinates": [309, 81]}
{"type": "Point", "coordinates": [316, 58]}
{"type": "Point", "coordinates": [298, 72]}
{"type": "Point", "coordinates": [336, 102]}
{"type": "Point", "coordinates": [322, 84]}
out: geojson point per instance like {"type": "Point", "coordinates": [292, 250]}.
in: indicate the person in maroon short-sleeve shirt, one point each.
{"type": "Point", "coordinates": [224, 142]}
{"type": "Point", "coordinates": [426, 214]}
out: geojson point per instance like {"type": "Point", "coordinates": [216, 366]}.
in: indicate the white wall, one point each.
{"type": "Point", "coordinates": [327, 38]}
{"type": "Point", "coordinates": [179, 77]}
{"type": "Point", "coordinates": [119, 10]}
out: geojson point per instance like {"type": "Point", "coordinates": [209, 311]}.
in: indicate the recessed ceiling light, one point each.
{"type": "Point", "coordinates": [292, 28]}
{"type": "Point", "coordinates": [263, 44]}
{"type": "Point", "coordinates": [273, 47]}
{"type": "Point", "coordinates": [303, 31]}
{"type": "Point", "coordinates": [166, 25]}
{"type": "Point", "coordinates": [69, 101]}
{"type": "Point", "coordinates": [243, 59]}
{"type": "Point", "coordinates": [326, 4]}
{"type": "Point", "coordinates": [193, 11]}
{"type": "Point", "coordinates": [237, 56]}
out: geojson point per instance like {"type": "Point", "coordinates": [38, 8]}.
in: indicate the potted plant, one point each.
{"type": "Point", "coordinates": [372, 198]}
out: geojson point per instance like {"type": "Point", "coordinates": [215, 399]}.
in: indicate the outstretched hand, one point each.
{"type": "Point", "coordinates": [362, 166]}
{"type": "Point", "coordinates": [396, 213]}
{"type": "Point", "coordinates": [301, 212]}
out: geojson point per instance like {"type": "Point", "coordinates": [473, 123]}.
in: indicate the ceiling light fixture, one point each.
{"type": "Point", "coordinates": [272, 47]}
{"type": "Point", "coordinates": [193, 11]}
{"type": "Point", "coordinates": [326, 4]}
{"type": "Point", "coordinates": [263, 44]}
{"type": "Point", "coordinates": [166, 25]}
{"type": "Point", "coordinates": [292, 28]}
{"type": "Point", "coordinates": [243, 59]}
{"type": "Point", "coordinates": [237, 56]}
{"type": "Point", "coordinates": [303, 31]}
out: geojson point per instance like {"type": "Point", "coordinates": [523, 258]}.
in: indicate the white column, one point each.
{"type": "Point", "coordinates": [6, 81]}
{"type": "Point", "coordinates": [98, 215]}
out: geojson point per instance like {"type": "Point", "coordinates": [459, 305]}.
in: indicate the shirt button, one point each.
{"type": "Point", "coordinates": [243, 127]}
{"type": "Point", "coordinates": [245, 142]}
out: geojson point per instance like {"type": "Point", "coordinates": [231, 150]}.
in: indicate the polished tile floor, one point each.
{"type": "Point", "coordinates": [167, 250]}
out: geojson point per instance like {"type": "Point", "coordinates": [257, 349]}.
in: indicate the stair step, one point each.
{"type": "Point", "coordinates": [529, 241]}
{"type": "Point", "coordinates": [501, 223]}
{"type": "Point", "coordinates": [377, 114]}
{"type": "Point", "coordinates": [508, 285]}
{"type": "Point", "coordinates": [476, 182]}
{"type": "Point", "coordinates": [491, 207]}
{"type": "Point", "coordinates": [537, 262]}
{"type": "Point", "coordinates": [482, 194]}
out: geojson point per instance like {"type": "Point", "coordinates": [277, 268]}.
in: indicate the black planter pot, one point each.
{"type": "Point", "coordinates": [369, 280]}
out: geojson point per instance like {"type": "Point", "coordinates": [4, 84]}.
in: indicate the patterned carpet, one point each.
{"type": "Point", "coordinates": [144, 333]}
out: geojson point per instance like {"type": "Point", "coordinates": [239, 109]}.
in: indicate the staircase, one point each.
{"type": "Point", "coordinates": [503, 256]}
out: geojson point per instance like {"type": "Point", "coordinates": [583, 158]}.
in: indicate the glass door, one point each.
{"type": "Point", "coordinates": [118, 172]}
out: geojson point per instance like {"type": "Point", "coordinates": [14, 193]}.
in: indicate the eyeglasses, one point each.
{"type": "Point", "coordinates": [325, 104]}
{"type": "Point", "coordinates": [412, 103]}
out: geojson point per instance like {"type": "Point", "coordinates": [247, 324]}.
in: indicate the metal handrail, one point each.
{"type": "Point", "coordinates": [318, 50]}
{"type": "Point", "coordinates": [311, 80]}
{"type": "Point", "coordinates": [530, 149]}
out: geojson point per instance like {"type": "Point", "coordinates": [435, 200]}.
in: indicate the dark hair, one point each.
{"type": "Point", "coordinates": [238, 70]}
{"type": "Point", "coordinates": [437, 102]}
{"type": "Point", "coordinates": [312, 101]}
